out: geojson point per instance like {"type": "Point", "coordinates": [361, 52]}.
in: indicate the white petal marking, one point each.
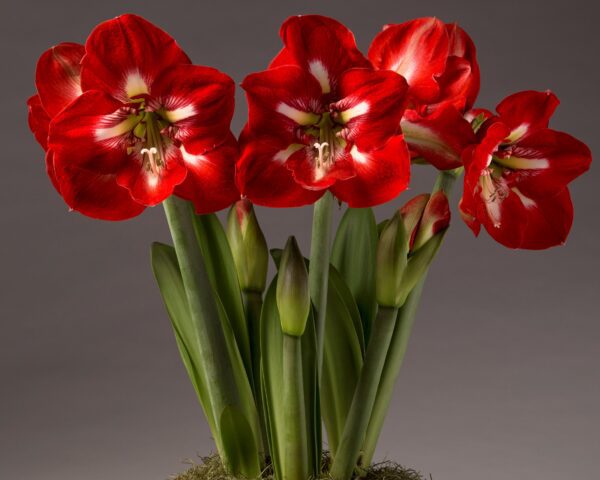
{"type": "Point", "coordinates": [318, 70]}
{"type": "Point", "coordinates": [121, 128]}
{"type": "Point", "coordinates": [181, 113]}
{"type": "Point", "coordinates": [527, 202]}
{"type": "Point", "coordinates": [520, 163]}
{"type": "Point", "coordinates": [517, 133]}
{"type": "Point", "coordinates": [357, 110]}
{"type": "Point", "coordinates": [298, 116]}
{"type": "Point", "coordinates": [135, 84]}
{"type": "Point", "coordinates": [282, 155]}
{"type": "Point", "coordinates": [358, 156]}
{"type": "Point", "coordinates": [190, 158]}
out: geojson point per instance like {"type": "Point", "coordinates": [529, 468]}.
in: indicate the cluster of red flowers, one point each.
{"type": "Point", "coordinates": [127, 120]}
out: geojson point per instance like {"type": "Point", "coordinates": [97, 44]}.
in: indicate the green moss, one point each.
{"type": "Point", "coordinates": [211, 468]}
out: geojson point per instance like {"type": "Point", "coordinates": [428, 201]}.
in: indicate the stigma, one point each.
{"type": "Point", "coordinates": [152, 153]}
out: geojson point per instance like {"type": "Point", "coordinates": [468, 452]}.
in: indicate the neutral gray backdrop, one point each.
{"type": "Point", "coordinates": [501, 380]}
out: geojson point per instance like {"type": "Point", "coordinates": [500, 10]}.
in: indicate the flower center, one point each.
{"type": "Point", "coordinates": [326, 140]}
{"type": "Point", "coordinates": [151, 141]}
{"type": "Point", "coordinates": [493, 191]}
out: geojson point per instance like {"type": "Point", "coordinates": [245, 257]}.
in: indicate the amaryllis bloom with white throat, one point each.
{"type": "Point", "coordinates": [440, 65]}
{"type": "Point", "coordinates": [322, 118]}
{"type": "Point", "coordinates": [146, 124]}
{"type": "Point", "coordinates": [516, 177]}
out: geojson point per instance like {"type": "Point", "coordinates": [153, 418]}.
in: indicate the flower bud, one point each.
{"type": "Point", "coordinates": [248, 246]}
{"type": "Point", "coordinates": [392, 251]}
{"type": "Point", "coordinates": [435, 220]}
{"type": "Point", "coordinates": [293, 297]}
{"type": "Point", "coordinates": [411, 213]}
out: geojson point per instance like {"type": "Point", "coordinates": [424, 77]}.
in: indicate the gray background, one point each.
{"type": "Point", "coordinates": [501, 380]}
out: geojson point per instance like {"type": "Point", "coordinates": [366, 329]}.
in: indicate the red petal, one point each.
{"type": "Point", "coordinates": [320, 45]}
{"type": "Point", "coordinates": [532, 224]}
{"type": "Point", "coordinates": [88, 190]}
{"type": "Point", "coordinates": [51, 171]}
{"type": "Point", "coordinates": [460, 81]}
{"type": "Point", "coordinates": [126, 54]}
{"type": "Point", "coordinates": [150, 188]}
{"type": "Point", "coordinates": [380, 175]}
{"type": "Point", "coordinates": [210, 181]}
{"type": "Point", "coordinates": [39, 121]}
{"type": "Point", "coordinates": [287, 89]}
{"type": "Point", "coordinates": [417, 50]}
{"type": "Point", "coordinates": [525, 112]}
{"type": "Point", "coordinates": [374, 102]}
{"type": "Point", "coordinates": [58, 76]}
{"type": "Point", "coordinates": [548, 160]}
{"type": "Point", "coordinates": [439, 137]}
{"type": "Point", "coordinates": [265, 180]}
{"type": "Point", "coordinates": [76, 127]}
{"type": "Point", "coordinates": [198, 101]}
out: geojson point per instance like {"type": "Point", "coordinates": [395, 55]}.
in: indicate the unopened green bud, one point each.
{"type": "Point", "coordinates": [392, 251]}
{"type": "Point", "coordinates": [293, 297]}
{"type": "Point", "coordinates": [248, 246]}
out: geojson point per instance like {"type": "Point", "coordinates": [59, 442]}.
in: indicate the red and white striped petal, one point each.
{"type": "Point", "coordinates": [546, 161]}
{"type": "Point", "coordinates": [439, 137]}
{"type": "Point", "coordinates": [263, 177]}
{"type": "Point", "coordinates": [381, 175]}
{"type": "Point", "coordinates": [89, 187]}
{"type": "Point", "coordinates": [149, 186]}
{"type": "Point", "coordinates": [197, 101]}
{"type": "Point", "coordinates": [125, 55]}
{"type": "Point", "coordinates": [280, 100]}
{"type": "Point", "coordinates": [320, 45]}
{"type": "Point", "coordinates": [525, 112]}
{"type": "Point", "coordinates": [371, 107]}
{"type": "Point", "coordinates": [210, 181]}
{"type": "Point", "coordinates": [39, 121]}
{"type": "Point", "coordinates": [93, 121]}
{"type": "Point", "coordinates": [417, 50]}
{"type": "Point", "coordinates": [58, 76]}
{"type": "Point", "coordinates": [529, 223]}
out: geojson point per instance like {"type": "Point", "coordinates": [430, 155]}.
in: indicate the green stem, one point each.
{"type": "Point", "coordinates": [393, 363]}
{"type": "Point", "coordinates": [212, 345]}
{"type": "Point", "coordinates": [318, 275]}
{"type": "Point", "coordinates": [253, 306]}
{"type": "Point", "coordinates": [295, 459]}
{"type": "Point", "coordinates": [399, 343]}
{"type": "Point", "coordinates": [357, 421]}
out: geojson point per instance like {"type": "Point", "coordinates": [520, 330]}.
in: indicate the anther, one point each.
{"type": "Point", "coordinates": [151, 152]}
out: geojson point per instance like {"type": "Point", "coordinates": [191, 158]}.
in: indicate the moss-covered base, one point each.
{"type": "Point", "coordinates": [211, 468]}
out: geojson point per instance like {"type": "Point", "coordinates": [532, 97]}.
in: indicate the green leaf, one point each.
{"type": "Point", "coordinates": [240, 438]}
{"type": "Point", "coordinates": [273, 379]}
{"type": "Point", "coordinates": [343, 357]}
{"type": "Point", "coordinates": [170, 284]}
{"type": "Point", "coordinates": [353, 255]}
{"type": "Point", "coordinates": [168, 276]}
{"type": "Point", "coordinates": [224, 280]}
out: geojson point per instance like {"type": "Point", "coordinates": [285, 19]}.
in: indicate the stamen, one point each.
{"type": "Point", "coordinates": [320, 147]}
{"type": "Point", "coordinates": [151, 152]}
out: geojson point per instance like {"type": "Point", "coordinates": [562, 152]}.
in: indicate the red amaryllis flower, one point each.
{"type": "Point", "coordinates": [58, 82]}
{"type": "Point", "coordinates": [321, 118]}
{"type": "Point", "coordinates": [516, 177]}
{"type": "Point", "coordinates": [146, 124]}
{"type": "Point", "coordinates": [439, 63]}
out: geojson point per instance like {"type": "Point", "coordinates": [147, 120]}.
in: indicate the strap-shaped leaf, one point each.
{"type": "Point", "coordinates": [353, 255]}
{"type": "Point", "coordinates": [273, 379]}
{"type": "Point", "coordinates": [170, 284]}
{"type": "Point", "coordinates": [223, 277]}
{"type": "Point", "coordinates": [237, 455]}
{"type": "Point", "coordinates": [343, 358]}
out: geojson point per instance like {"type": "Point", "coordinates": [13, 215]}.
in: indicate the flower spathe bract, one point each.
{"type": "Point", "coordinates": [248, 246]}
{"type": "Point", "coordinates": [144, 124]}
{"type": "Point", "coordinates": [293, 297]}
{"type": "Point", "coordinates": [516, 177]}
{"type": "Point", "coordinates": [321, 118]}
